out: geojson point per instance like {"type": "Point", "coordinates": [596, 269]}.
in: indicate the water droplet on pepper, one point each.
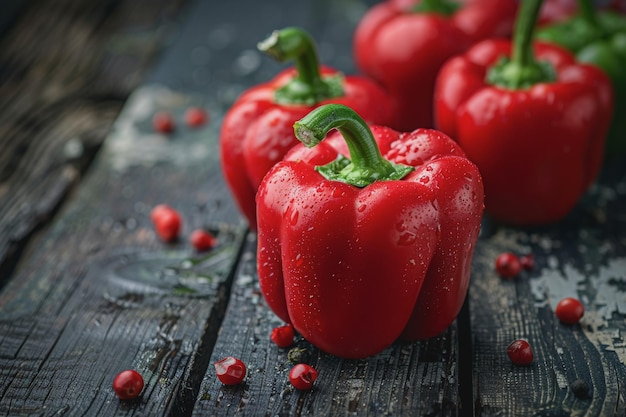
{"type": "Point", "coordinates": [294, 217]}
{"type": "Point", "coordinates": [337, 193]}
{"type": "Point", "coordinates": [406, 238]}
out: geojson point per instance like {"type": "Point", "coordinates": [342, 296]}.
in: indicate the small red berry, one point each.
{"type": "Point", "coordinates": [508, 265]}
{"type": "Point", "coordinates": [163, 122]}
{"type": "Point", "coordinates": [283, 335]}
{"type": "Point", "coordinates": [569, 310]}
{"type": "Point", "coordinates": [158, 211]}
{"type": "Point", "coordinates": [128, 384]}
{"type": "Point", "coordinates": [202, 240]}
{"type": "Point", "coordinates": [230, 370]}
{"type": "Point", "coordinates": [527, 261]}
{"type": "Point", "coordinates": [302, 376]}
{"type": "Point", "coordinates": [167, 222]}
{"type": "Point", "coordinates": [195, 117]}
{"type": "Point", "coordinates": [520, 353]}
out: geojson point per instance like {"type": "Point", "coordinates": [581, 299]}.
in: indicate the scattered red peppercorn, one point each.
{"type": "Point", "coordinates": [520, 353]}
{"type": "Point", "coordinates": [569, 310]}
{"type": "Point", "coordinates": [283, 335]}
{"type": "Point", "coordinates": [527, 261]}
{"type": "Point", "coordinates": [302, 376]}
{"type": "Point", "coordinates": [508, 265]}
{"type": "Point", "coordinates": [202, 240]}
{"type": "Point", "coordinates": [128, 384]}
{"type": "Point", "coordinates": [167, 222]}
{"type": "Point", "coordinates": [195, 117]}
{"type": "Point", "coordinates": [163, 122]}
{"type": "Point", "coordinates": [230, 370]}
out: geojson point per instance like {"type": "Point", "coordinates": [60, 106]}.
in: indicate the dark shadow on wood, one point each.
{"type": "Point", "coordinates": [189, 388]}
{"type": "Point", "coordinates": [465, 361]}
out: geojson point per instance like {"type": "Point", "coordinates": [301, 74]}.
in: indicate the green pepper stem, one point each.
{"type": "Point", "coordinates": [367, 163]}
{"type": "Point", "coordinates": [523, 36]}
{"type": "Point", "coordinates": [443, 7]}
{"type": "Point", "coordinates": [522, 70]}
{"type": "Point", "coordinates": [308, 86]}
{"type": "Point", "coordinates": [588, 12]}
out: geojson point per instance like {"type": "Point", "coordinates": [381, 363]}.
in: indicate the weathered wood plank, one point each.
{"type": "Point", "coordinates": [583, 257]}
{"type": "Point", "coordinates": [405, 379]}
{"type": "Point", "coordinates": [100, 293]}
{"type": "Point", "coordinates": [66, 68]}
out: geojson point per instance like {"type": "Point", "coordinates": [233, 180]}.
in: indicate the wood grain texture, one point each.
{"type": "Point", "coordinates": [405, 379]}
{"type": "Point", "coordinates": [583, 257]}
{"type": "Point", "coordinates": [97, 292]}
{"type": "Point", "coordinates": [101, 293]}
{"type": "Point", "coordinates": [66, 68]}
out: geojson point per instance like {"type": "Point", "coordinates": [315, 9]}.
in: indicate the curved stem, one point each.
{"type": "Point", "coordinates": [295, 45]}
{"type": "Point", "coordinates": [367, 163]}
{"type": "Point", "coordinates": [308, 87]}
{"type": "Point", "coordinates": [314, 127]}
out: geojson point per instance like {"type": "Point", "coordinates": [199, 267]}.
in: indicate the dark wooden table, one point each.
{"type": "Point", "coordinates": [87, 289]}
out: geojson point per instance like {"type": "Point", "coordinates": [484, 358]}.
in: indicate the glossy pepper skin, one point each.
{"type": "Point", "coordinates": [534, 123]}
{"type": "Point", "coordinates": [598, 38]}
{"type": "Point", "coordinates": [257, 130]}
{"type": "Point", "coordinates": [355, 267]}
{"type": "Point", "coordinates": [403, 44]}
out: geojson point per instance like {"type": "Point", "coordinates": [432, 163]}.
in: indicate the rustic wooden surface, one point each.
{"type": "Point", "coordinates": [582, 257]}
{"type": "Point", "coordinates": [66, 69]}
{"type": "Point", "coordinates": [88, 290]}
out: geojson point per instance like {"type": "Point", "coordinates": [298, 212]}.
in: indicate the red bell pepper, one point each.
{"type": "Point", "coordinates": [534, 122]}
{"type": "Point", "coordinates": [556, 10]}
{"type": "Point", "coordinates": [357, 253]}
{"type": "Point", "coordinates": [257, 130]}
{"type": "Point", "coordinates": [402, 45]}
{"type": "Point", "coordinates": [553, 11]}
